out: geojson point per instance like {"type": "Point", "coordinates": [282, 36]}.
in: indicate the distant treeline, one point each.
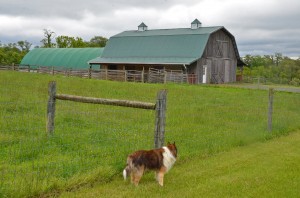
{"type": "Point", "coordinates": [13, 53]}
{"type": "Point", "coordinates": [273, 67]}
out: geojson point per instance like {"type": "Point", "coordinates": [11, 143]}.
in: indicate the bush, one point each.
{"type": "Point", "coordinates": [295, 82]}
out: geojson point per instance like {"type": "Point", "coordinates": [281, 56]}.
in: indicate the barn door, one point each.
{"type": "Point", "coordinates": [227, 71]}
{"type": "Point", "coordinates": [218, 71]}
{"type": "Point", "coordinates": [221, 71]}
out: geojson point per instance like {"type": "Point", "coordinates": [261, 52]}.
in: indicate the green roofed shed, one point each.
{"type": "Point", "coordinates": [75, 58]}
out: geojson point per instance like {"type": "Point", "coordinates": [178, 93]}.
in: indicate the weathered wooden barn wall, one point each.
{"type": "Point", "coordinates": [220, 58]}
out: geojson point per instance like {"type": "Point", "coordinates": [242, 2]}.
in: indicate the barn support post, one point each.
{"type": "Point", "coordinates": [51, 107]}
{"type": "Point", "coordinates": [106, 74]}
{"type": "Point", "coordinates": [142, 75]}
{"type": "Point", "coordinates": [90, 72]}
{"type": "Point", "coordinates": [270, 109]}
{"type": "Point", "coordinates": [160, 120]}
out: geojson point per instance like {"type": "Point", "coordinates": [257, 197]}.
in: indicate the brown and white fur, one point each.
{"type": "Point", "coordinates": [159, 160]}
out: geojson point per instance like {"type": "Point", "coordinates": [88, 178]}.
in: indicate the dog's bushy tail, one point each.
{"type": "Point", "coordinates": [128, 168]}
{"type": "Point", "coordinates": [125, 173]}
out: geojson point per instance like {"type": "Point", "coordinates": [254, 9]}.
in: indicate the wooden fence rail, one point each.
{"type": "Point", "coordinates": [115, 102]}
{"type": "Point", "coordinates": [159, 107]}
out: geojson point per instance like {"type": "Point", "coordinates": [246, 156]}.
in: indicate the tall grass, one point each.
{"type": "Point", "coordinates": [90, 142]}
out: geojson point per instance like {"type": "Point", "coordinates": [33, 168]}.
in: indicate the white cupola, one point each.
{"type": "Point", "coordinates": [196, 24]}
{"type": "Point", "coordinates": [142, 27]}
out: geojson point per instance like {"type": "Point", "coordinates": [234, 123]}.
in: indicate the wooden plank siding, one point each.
{"type": "Point", "coordinates": [220, 58]}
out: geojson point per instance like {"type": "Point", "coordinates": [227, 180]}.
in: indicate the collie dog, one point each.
{"type": "Point", "coordinates": [159, 160]}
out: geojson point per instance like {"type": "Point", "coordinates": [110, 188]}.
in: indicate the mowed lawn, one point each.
{"type": "Point", "coordinates": [270, 169]}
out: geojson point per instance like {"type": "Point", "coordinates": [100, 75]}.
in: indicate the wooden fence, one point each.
{"type": "Point", "coordinates": [151, 76]}
{"type": "Point", "coordinates": [159, 107]}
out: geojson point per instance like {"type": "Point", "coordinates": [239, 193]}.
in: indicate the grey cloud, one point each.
{"type": "Point", "coordinates": [258, 26]}
{"type": "Point", "coordinates": [74, 8]}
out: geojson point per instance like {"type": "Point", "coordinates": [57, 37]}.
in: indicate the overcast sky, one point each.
{"type": "Point", "coordinates": [260, 27]}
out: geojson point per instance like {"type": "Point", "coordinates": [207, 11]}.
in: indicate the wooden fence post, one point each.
{"type": "Point", "coordinates": [90, 72]}
{"type": "Point", "coordinates": [160, 120]}
{"type": "Point", "coordinates": [270, 109]}
{"type": "Point", "coordinates": [51, 107]}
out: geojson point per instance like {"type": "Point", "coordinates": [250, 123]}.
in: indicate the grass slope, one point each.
{"type": "Point", "coordinates": [269, 169]}
{"type": "Point", "coordinates": [91, 142]}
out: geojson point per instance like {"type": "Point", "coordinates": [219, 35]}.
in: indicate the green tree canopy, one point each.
{"type": "Point", "coordinates": [13, 53]}
{"type": "Point", "coordinates": [277, 66]}
{"type": "Point", "coordinates": [98, 41]}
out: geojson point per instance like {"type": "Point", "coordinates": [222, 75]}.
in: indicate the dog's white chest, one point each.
{"type": "Point", "coordinates": [168, 159]}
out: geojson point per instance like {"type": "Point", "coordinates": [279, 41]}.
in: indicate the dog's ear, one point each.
{"type": "Point", "coordinates": [174, 143]}
{"type": "Point", "coordinates": [169, 143]}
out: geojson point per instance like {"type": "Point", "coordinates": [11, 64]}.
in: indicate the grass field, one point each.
{"type": "Point", "coordinates": [269, 169]}
{"type": "Point", "coordinates": [91, 142]}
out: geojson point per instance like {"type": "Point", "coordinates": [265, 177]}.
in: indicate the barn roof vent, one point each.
{"type": "Point", "coordinates": [196, 24]}
{"type": "Point", "coordinates": [142, 27]}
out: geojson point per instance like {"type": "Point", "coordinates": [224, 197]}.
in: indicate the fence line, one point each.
{"type": "Point", "coordinates": [160, 108]}
{"type": "Point", "coordinates": [260, 80]}
{"type": "Point", "coordinates": [152, 76]}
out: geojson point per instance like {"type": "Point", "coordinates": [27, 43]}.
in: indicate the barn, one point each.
{"type": "Point", "coordinates": [61, 58]}
{"type": "Point", "coordinates": [201, 54]}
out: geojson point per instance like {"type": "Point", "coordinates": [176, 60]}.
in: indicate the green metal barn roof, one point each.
{"type": "Point", "coordinates": [75, 58]}
{"type": "Point", "coordinates": [166, 46]}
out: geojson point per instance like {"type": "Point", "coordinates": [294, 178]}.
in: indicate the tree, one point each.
{"type": "Point", "coordinates": [10, 53]}
{"type": "Point", "coordinates": [24, 45]}
{"type": "Point", "coordinates": [278, 58]}
{"type": "Point", "coordinates": [78, 43]}
{"type": "Point", "coordinates": [64, 41]}
{"type": "Point", "coordinates": [47, 41]}
{"type": "Point", "coordinates": [255, 61]}
{"type": "Point", "coordinates": [69, 42]}
{"type": "Point", "coordinates": [98, 41]}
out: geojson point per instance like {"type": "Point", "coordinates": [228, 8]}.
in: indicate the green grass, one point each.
{"type": "Point", "coordinates": [269, 169]}
{"type": "Point", "coordinates": [91, 142]}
